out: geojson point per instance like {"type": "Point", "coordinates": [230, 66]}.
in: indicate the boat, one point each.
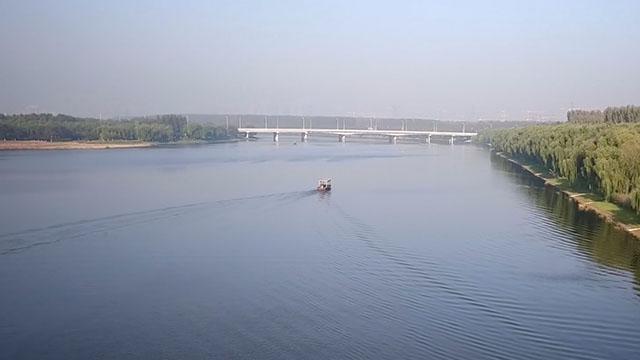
{"type": "Point", "coordinates": [324, 185]}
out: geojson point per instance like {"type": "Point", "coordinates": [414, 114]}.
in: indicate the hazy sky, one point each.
{"type": "Point", "coordinates": [440, 59]}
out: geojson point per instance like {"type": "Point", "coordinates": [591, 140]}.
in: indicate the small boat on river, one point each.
{"type": "Point", "coordinates": [324, 185]}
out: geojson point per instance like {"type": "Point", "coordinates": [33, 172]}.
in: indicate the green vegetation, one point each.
{"type": "Point", "coordinates": [616, 115]}
{"type": "Point", "coordinates": [162, 128]}
{"type": "Point", "coordinates": [600, 158]}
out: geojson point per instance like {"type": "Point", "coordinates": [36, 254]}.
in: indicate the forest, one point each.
{"type": "Point", "coordinates": [601, 156]}
{"type": "Point", "coordinates": [161, 128]}
{"type": "Point", "coordinates": [615, 115]}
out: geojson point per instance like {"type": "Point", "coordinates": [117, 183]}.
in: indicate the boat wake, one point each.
{"type": "Point", "coordinates": [423, 285]}
{"type": "Point", "coordinates": [16, 242]}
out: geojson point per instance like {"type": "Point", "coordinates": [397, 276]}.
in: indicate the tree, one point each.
{"type": "Point", "coordinates": [603, 157]}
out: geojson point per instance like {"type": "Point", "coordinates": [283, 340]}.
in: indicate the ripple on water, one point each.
{"type": "Point", "coordinates": [329, 279]}
{"type": "Point", "coordinates": [425, 289]}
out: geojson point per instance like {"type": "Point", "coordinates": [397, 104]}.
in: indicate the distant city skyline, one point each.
{"type": "Point", "coordinates": [464, 60]}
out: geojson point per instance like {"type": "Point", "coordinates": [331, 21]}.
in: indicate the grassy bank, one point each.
{"type": "Point", "coordinates": [97, 145]}
{"type": "Point", "coordinates": [624, 218]}
{"type": "Point", "coordinates": [70, 145]}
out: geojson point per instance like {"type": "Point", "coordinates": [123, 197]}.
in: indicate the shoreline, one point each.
{"type": "Point", "coordinates": [16, 145]}
{"type": "Point", "coordinates": [587, 202]}
{"type": "Point", "coordinates": [12, 145]}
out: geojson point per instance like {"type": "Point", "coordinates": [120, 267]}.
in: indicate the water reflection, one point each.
{"type": "Point", "coordinates": [601, 241]}
{"type": "Point", "coordinates": [418, 252]}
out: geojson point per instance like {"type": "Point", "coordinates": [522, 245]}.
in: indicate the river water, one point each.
{"type": "Point", "coordinates": [225, 251]}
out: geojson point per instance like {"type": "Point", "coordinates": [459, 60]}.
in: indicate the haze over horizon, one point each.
{"type": "Point", "coordinates": [461, 60]}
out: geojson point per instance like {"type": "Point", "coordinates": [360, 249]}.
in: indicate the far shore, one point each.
{"type": "Point", "coordinates": [91, 145]}
{"type": "Point", "coordinates": [620, 217]}
{"type": "Point", "coordinates": [70, 145]}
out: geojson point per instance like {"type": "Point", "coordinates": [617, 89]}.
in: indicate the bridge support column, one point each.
{"type": "Point", "coordinates": [304, 137]}
{"type": "Point", "coordinates": [393, 139]}
{"type": "Point", "coordinates": [246, 135]}
{"type": "Point", "coordinates": [428, 139]}
{"type": "Point", "coordinates": [451, 140]}
{"type": "Point", "coordinates": [342, 138]}
{"type": "Point", "coordinates": [276, 137]}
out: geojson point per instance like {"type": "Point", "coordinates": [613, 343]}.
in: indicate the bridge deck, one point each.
{"type": "Point", "coordinates": [349, 132]}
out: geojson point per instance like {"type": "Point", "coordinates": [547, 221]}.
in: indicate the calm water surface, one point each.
{"type": "Point", "coordinates": [225, 251]}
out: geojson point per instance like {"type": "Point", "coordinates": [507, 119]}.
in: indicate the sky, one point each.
{"type": "Point", "coordinates": [455, 60]}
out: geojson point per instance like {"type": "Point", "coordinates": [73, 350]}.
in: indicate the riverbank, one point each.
{"type": "Point", "coordinates": [92, 145]}
{"type": "Point", "coordinates": [622, 218]}
{"type": "Point", "coordinates": [70, 145]}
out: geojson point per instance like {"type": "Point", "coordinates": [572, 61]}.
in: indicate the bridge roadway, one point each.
{"type": "Point", "coordinates": [393, 135]}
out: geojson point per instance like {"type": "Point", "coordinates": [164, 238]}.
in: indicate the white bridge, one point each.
{"type": "Point", "coordinates": [342, 134]}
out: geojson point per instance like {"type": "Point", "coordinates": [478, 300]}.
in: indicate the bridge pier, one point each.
{"type": "Point", "coordinates": [451, 140]}
{"type": "Point", "coordinates": [342, 138]}
{"type": "Point", "coordinates": [393, 139]}
{"type": "Point", "coordinates": [304, 137]}
{"type": "Point", "coordinates": [276, 137]}
{"type": "Point", "coordinates": [246, 135]}
{"type": "Point", "coordinates": [428, 139]}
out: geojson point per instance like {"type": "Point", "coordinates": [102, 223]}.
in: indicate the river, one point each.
{"type": "Point", "coordinates": [226, 251]}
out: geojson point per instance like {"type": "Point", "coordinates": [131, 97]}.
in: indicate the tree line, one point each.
{"type": "Point", "coordinates": [601, 157]}
{"type": "Point", "coordinates": [161, 128]}
{"type": "Point", "coordinates": [616, 115]}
